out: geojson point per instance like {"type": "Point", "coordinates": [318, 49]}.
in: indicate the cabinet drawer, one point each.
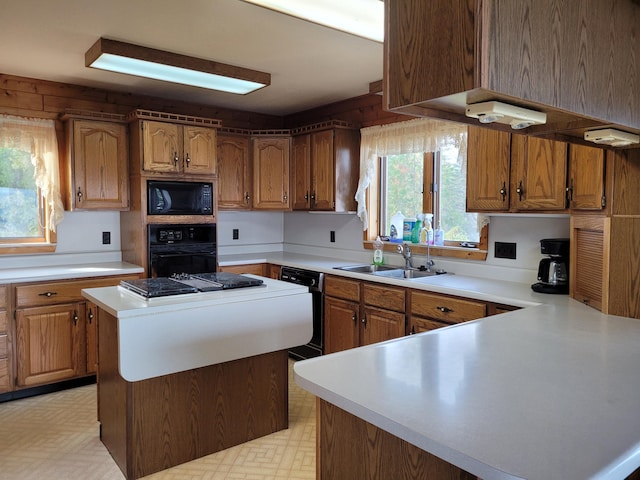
{"type": "Point", "coordinates": [3, 322]}
{"type": "Point", "coordinates": [389, 298]}
{"type": "Point", "coordinates": [448, 309]}
{"type": "Point", "coordinates": [3, 296]}
{"type": "Point", "coordinates": [342, 288]}
{"type": "Point", "coordinates": [60, 292]}
{"type": "Point", "coordinates": [4, 375]}
{"type": "Point", "coordinates": [4, 346]}
{"type": "Point", "coordinates": [418, 325]}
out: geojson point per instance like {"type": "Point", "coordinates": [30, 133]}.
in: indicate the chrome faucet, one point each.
{"type": "Point", "coordinates": [405, 250]}
{"type": "Point", "coordinates": [430, 263]}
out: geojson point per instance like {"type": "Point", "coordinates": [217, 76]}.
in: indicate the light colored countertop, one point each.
{"type": "Point", "coordinates": [173, 334]}
{"type": "Point", "coordinates": [540, 393]}
{"type": "Point", "coordinates": [66, 272]}
{"type": "Point", "coordinates": [548, 391]}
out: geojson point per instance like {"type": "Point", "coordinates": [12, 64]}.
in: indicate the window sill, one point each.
{"type": "Point", "coordinates": [419, 249]}
{"type": "Point", "coordinates": [26, 248]}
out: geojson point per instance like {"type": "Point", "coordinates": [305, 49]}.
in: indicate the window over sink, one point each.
{"type": "Point", "coordinates": [416, 167]}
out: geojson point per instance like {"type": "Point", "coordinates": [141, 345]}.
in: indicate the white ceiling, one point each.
{"type": "Point", "coordinates": [310, 65]}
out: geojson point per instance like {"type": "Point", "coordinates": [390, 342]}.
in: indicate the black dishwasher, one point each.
{"type": "Point", "coordinates": [315, 282]}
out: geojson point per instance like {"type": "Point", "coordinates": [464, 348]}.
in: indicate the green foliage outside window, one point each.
{"type": "Point", "coordinates": [19, 207]}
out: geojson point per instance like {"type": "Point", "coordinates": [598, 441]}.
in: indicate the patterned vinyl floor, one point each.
{"type": "Point", "coordinates": [55, 437]}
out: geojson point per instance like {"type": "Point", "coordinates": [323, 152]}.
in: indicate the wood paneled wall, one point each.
{"type": "Point", "coordinates": [46, 99]}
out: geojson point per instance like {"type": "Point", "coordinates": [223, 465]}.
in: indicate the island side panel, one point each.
{"type": "Point", "coordinates": [154, 424]}
{"type": "Point", "coordinates": [349, 447]}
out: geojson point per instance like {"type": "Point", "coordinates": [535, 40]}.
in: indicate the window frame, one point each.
{"type": "Point", "coordinates": [450, 249]}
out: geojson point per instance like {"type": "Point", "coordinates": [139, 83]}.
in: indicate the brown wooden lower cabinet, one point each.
{"type": "Point", "coordinates": [5, 383]}
{"type": "Point", "coordinates": [154, 424]}
{"type": "Point", "coordinates": [252, 268]}
{"type": "Point", "coordinates": [361, 313]}
{"type": "Point", "coordinates": [349, 447]}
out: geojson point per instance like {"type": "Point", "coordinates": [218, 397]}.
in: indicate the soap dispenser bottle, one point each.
{"type": "Point", "coordinates": [378, 245]}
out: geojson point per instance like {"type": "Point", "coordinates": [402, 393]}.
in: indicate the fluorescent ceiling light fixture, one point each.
{"type": "Point", "coordinates": [517, 117]}
{"type": "Point", "coordinates": [611, 136]}
{"type": "Point", "coordinates": [364, 18]}
{"type": "Point", "coordinates": [146, 62]}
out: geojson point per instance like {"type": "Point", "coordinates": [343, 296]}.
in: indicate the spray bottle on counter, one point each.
{"type": "Point", "coordinates": [378, 246]}
{"type": "Point", "coordinates": [438, 238]}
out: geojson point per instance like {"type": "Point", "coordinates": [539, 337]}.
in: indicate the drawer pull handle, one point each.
{"type": "Point", "coordinates": [364, 320]}
{"type": "Point", "coordinates": [354, 318]}
{"type": "Point", "coordinates": [445, 309]}
{"type": "Point", "coordinates": [75, 318]}
{"type": "Point", "coordinates": [47, 294]}
{"type": "Point", "coordinates": [90, 315]}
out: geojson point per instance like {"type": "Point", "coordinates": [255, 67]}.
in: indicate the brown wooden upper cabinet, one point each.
{"type": "Point", "coordinates": [96, 166]}
{"type": "Point", "coordinates": [234, 172]}
{"type": "Point", "coordinates": [515, 173]}
{"type": "Point", "coordinates": [586, 188]}
{"type": "Point", "coordinates": [271, 173]}
{"type": "Point", "coordinates": [173, 148]}
{"type": "Point", "coordinates": [325, 169]}
{"type": "Point", "coordinates": [441, 55]}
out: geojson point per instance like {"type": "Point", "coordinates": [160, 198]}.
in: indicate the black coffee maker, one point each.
{"type": "Point", "coordinates": [553, 271]}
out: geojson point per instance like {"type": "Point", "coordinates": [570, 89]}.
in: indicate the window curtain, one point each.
{"type": "Point", "coordinates": [413, 136]}
{"type": "Point", "coordinates": [38, 136]}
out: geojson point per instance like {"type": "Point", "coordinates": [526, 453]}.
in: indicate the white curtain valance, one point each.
{"type": "Point", "coordinates": [38, 137]}
{"type": "Point", "coordinates": [413, 136]}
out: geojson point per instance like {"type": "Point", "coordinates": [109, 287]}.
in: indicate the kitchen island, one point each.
{"type": "Point", "coordinates": [184, 376]}
{"type": "Point", "coordinates": [546, 392]}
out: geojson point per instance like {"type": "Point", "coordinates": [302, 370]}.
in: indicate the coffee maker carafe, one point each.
{"type": "Point", "coordinates": [553, 271]}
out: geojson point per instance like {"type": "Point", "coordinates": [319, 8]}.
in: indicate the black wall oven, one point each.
{"type": "Point", "coordinates": [176, 249]}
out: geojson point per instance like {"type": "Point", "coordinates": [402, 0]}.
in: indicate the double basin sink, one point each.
{"type": "Point", "coordinates": [390, 271]}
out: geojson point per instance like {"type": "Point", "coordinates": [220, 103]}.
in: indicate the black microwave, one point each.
{"type": "Point", "coordinates": [179, 198]}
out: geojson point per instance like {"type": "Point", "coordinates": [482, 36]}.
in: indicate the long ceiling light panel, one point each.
{"type": "Point", "coordinates": [364, 18]}
{"type": "Point", "coordinates": [146, 62]}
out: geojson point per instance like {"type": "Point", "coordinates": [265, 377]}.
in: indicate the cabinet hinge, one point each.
{"type": "Point", "coordinates": [604, 201]}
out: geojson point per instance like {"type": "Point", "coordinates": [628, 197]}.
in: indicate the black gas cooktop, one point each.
{"type": "Point", "coordinates": [188, 283]}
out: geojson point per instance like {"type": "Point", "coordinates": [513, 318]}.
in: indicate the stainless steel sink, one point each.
{"type": "Point", "coordinates": [367, 268]}
{"type": "Point", "coordinates": [402, 273]}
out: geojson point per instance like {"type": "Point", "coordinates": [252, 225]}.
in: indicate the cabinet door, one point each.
{"type": "Point", "coordinates": [199, 150]}
{"type": "Point", "coordinates": [322, 171]}
{"type": "Point", "coordinates": [301, 172]}
{"type": "Point", "coordinates": [50, 342]}
{"type": "Point", "coordinates": [539, 177]}
{"type": "Point", "coordinates": [4, 347]}
{"type": "Point", "coordinates": [271, 173]}
{"type": "Point", "coordinates": [586, 178]}
{"type": "Point", "coordinates": [341, 329]}
{"type": "Point", "coordinates": [488, 160]}
{"type": "Point", "coordinates": [161, 147]}
{"type": "Point", "coordinates": [100, 167]}
{"type": "Point", "coordinates": [379, 325]}
{"type": "Point", "coordinates": [91, 326]}
{"type": "Point", "coordinates": [589, 266]}
{"type": "Point", "coordinates": [234, 180]}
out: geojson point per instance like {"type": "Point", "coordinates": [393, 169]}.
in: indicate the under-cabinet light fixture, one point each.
{"type": "Point", "coordinates": [146, 62]}
{"type": "Point", "coordinates": [364, 18]}
{"type": "Point", "coordinates": [517, 117]}
{"type": "Point", "coordinates": [611, 136]}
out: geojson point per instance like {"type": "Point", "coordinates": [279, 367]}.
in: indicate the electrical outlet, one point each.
{"type": "Point", "coordinates": [505, 250]}
{"type": "Point", "coordinates": [106, 238]}
{"type": "Point", "coordinates": [332, 236]}
{"type": "Point", "coordinates": [236, 234]}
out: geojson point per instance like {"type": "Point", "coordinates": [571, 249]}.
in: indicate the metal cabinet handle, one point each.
{"type": "Point", "coordinates": [247, 197]}
{"type": "Point", "coordinates": [188, 160]}
{"type": "Point", "coordinates": [176, 158]}
{"type": "Point", "coordinates": [47, 294]}
{"type": "Point", "coordinates": [354, 317]}
{"type": "Point", "coordinates": [75, 317]}
{"type": "Point", "coordinates": [444, 309]}
{"type": "Point", "coordinates": [285, 196]}
{"type": "Point", "coordinates": [306, 197]}
{"type": "Point", "coordinates": [90, 315]}
{"type": "Point", "coordinates": [80, 195]}
{"type": "Point", "coordinates": [503, 191]}
{"type": "Point", "coordinates": [520, 190]}
{"type": "Point", "coordinates": [364, 320]}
